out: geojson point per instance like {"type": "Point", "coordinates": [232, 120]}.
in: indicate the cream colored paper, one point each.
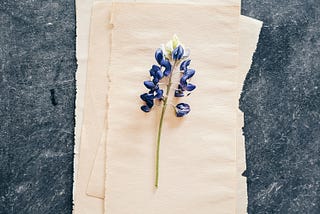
{"type": "Point", "coordinates": [83, 16]}
{"type": "Point", "coordinates": [252, 31]}
{"type": "Point", "coordinates": [82, 42]}
{"type": "Point", "coordinates": [97, 178]}
{"type": "Point", "coordinates": [192, 2]}
{"type": "Point", "coordinates": [83, 10]}
{"type": "Point", "coordinates": [249, 29]}
{"type": "Point", "coordinates": [198, 166]}
{"type": "Point", "coordinates": [249, 34]}
{"type": "Point", "coordinates": [96, 183]}
{"type": "Point", "coordinates": [94, 114]}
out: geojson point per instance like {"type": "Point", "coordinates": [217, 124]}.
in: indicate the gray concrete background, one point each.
{"type": "Point", "coordinates": [281, 99]}
{"type": "Point", "coordinates": [281, 102]}
{"type": "Point", "coordinates": [37, 100]}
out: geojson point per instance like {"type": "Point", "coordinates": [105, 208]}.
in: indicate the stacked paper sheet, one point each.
{"type": "Point", "coordinates": [202, 155]}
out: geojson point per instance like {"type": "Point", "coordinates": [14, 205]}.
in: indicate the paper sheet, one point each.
{"type": "Point", "coordinates": [96, 183]}
{"type": "Point", "coordinates": [250, 29]}
{"type": "Point", "coordinates": [83, 11]}
{"type": "Point", "coordinates": [94, 114]}
{"type": "Point", "coordinates": [97, 178]}
{"type": "Point", "coordinates": [192, 2]}
{"type": "Point", "coordinates": [249, 34]}
{"type": "Point", "coordinates": [98, 171]}
{"type": "Point", "coordinates": [198, 153]}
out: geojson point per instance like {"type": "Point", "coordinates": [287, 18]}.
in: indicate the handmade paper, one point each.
{"type": "Point", "coordinates": [198, 153]}
{"type": "Point", "coordinates": [249, 34]}
{"type": "Point", "coordinates": [98, 170]}
{"type": "Point", "coordinates": [94, 113]}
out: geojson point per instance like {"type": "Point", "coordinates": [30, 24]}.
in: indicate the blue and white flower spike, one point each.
{"type": "Point", "coordinates": [163, 62]}
{"type": "Point", "coordinates": [168, 57]}
{"type": "Point", "coordinates": [177, 53]}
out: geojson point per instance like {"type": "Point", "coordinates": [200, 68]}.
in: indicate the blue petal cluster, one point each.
{"type": "Point", "coordinates": [184, 84]}
{"type": "Point", "coordinates": [177, 53]}
{"type": "Point", "coordinates": [153, 85]}
{"type": "Point", "coordinates": [182, 109]}
{"type": "Point", "coordinates": [164, 69]}
{"type": "Point", "coordinates": [163, 62]}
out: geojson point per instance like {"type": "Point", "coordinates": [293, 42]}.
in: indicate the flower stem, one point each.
{"type": "Point", "coordinates": [164, 107]}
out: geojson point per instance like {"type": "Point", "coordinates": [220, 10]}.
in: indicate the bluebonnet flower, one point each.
{"type": "Point", "coordinates": [156, 73]}
{"type": "Point", "coordinates": [165, 56]}
{"type": "Point", "coordinates": [172, 45]}
{"type": "Point", "coordinates": [148, 98]}
{"type": "Point", "coordinates": [177, 53]}
{"type": "Point", "coordinates": [184, 65]}
{"type": "Point", "coordinates": [179, 92]}
{"type": "Point", "coordinates": [185, 84]}
{"type": "Point", "coordinates": [168, 58]}
{"type": "Point", "coordinates": [163, 62]}
{"type": "Point", "coordinates": [182, 109]}
{"type": "Point", "coordinates": [153, 85]}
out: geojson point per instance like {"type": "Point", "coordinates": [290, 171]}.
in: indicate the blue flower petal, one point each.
{"type": "Point", "coordinates": [177, 53]}
{"type": "Point", "coordinates": [189, 73]}
{"type": "Point", "coordinates": [155, 80]}
{"type": "Point", "coordinates": [149, 84]}
{"type": "Point", "coordinates": [180, 88]}
{"type": "Point", "coordinates": [150, 103]}
{"type": "Point", "coordinates": [183, 82]}
{"type": "Point", "coordinates": [154, 89]}
{"type": "Point", "coordinates": [158, 74]}
{"type": "Point", "coordinates": [167, 65]}
{"type": "Point", "coordinates": [184, 65]}
{"type": "Point", "coordinates": [159, 94]}
{"type": "Point", "coordinates": [182, 109]}
{"type": "Point", "coordinates": [145, 109]}
{"type": "Point", "coordinates": [190, 87]}
{"type": "Point", "coordinates": [159, 55]}
{"type": "Point", "coordinates": [146, 96]}
{"type": "Point", "coordinates": [178, 93]}
{"type": "Point", "coordinates": [154, 70]}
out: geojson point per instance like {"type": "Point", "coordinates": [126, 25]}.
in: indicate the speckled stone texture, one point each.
{"type": "Point", "coordinates": [281, 102]}
{"type": "Point", "coordinates": [37, 100]}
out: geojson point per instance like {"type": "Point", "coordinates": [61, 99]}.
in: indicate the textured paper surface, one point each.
{"type": "Point", "coordinates": [249, 34]}
{"type": "Point", "coordinates": [97, 177]}
{"type": "Point", "coordinates": [250, 29]}
{"type": "Point", "coordinates": [94, 114]}
{"type": "Point", "coordinates": [83, 7]}
{"type": "Point", "coordinates": [96, 183]}
{"type": "Point", "coordinates": [248, 26]}
{"type": "Point", "coordinates": [198, 153]}
{"type": "Point", "coordinates": [193, 2]}
{"type": "Point", "coordinates": [82, 202]}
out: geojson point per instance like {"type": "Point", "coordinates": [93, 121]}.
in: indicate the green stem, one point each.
{"type": "Point", "coordinates": [164, 107]}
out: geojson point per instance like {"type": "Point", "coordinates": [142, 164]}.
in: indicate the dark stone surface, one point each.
{"type": "Point", "coordinates": [281, 102]}
{"type": "Point", "coordinates": [37, 100]}
{"type": "Point", "coordinates": [281, 99]}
